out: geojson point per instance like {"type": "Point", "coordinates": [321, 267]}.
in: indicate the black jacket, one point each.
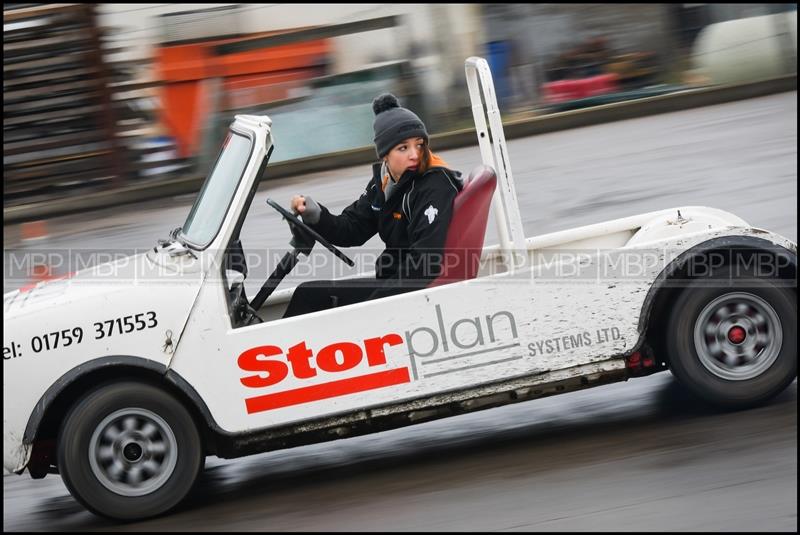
{"type": "Point", "coordinates": [413, 223]}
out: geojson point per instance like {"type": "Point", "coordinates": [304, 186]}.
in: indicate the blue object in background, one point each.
{"type": "Point", "coordinates": [498, 55]}
{"type": "Point", "coordinates": [167, 154]}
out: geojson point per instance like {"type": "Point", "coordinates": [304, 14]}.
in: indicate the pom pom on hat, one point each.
{"type": "Point", "coordinates": [384, 102]}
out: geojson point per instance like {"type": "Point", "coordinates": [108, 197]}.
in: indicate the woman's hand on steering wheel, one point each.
{"type": "Point", "coordinates": [298, 204]}
{"type": "Point", "coordinates": [294, 221]}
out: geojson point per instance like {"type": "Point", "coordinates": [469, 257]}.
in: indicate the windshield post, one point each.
{"type": "Point", "coordinates": [212, 204]}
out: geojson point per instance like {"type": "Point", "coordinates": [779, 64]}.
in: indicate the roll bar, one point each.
{"type": "Point", "coordinates": [494, 153]}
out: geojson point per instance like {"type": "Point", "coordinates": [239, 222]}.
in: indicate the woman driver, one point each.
{"type": "Point", "coordinates": [408, 201]}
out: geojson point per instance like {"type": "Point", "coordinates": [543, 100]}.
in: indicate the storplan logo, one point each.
{"type": "Point", "coordinates": [336, 363]}
{"type": "Point", "coordinates": [274, 367]}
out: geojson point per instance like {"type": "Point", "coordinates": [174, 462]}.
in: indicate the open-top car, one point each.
{"type": "Point", "coordinates": [124, 377]}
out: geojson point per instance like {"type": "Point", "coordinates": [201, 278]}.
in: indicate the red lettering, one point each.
{"type": "Point", "coordinates": [300, 360]}
{"type": "Point", "coordinates": [351, 356]}
{"type": "Point", "coordinates": [254, 360]}
{"type": "Point", "coordinates": [375, 351]}
{"type": "Point", "coordinates": [299, 355]}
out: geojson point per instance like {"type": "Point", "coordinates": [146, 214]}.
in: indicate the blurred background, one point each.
{"type": "Point", "coordinates": [98, 97]}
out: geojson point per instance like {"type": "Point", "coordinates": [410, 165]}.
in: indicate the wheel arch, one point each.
{"type": "Point", "coordinates": [50, 411]}
{"type": "Point", "coordinates": [714, 253]}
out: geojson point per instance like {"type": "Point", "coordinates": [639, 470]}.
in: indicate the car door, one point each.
{"type": "Point", "coordinates": [390, 350]}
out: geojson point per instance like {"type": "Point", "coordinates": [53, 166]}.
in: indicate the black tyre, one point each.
{"type": "Point", "coordinates": [129, 451]}
{"type": "Point", "coordinates": [733, 340]}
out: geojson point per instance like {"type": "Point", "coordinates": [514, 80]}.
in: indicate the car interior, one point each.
{"type": "Point", "coordinates": [463, 247]}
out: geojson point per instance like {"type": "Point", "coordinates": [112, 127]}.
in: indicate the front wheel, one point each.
{"type": "Point", "coordinates": [129, 451]}
{"type": "Point", "coordinates": [733, 340]}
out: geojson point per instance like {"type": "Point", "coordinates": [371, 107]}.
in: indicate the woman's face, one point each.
{"type": "Point", "coordinates": [405, 155]}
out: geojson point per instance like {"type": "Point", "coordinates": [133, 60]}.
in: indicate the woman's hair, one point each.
{"type": "Point", "coordinates": [425, 158]}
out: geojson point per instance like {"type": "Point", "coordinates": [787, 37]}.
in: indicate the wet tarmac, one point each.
{"type": "Point", "coordinates": [643, 455]}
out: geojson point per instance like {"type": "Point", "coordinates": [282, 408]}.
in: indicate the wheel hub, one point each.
{"type": "Point", "coordinates": [738, 336]}
{"type": "Point", "coordinates": [133, 452]}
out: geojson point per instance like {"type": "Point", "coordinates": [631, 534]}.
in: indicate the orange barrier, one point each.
{"type": "Point", "coordinates": [185, 68]}
{"type": "Point", "coordinates": [43, 273]}
{"type": "Point", "coordinates": [33, 230]}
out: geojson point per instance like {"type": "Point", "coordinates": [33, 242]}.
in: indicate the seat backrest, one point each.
{"type": "Point", "coordinates": [464, 243]}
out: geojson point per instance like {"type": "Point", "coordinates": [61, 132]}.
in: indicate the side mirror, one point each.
{"type": "Point", "coordinates": [234, 278]}
{"type": "Point", "coordinates": [234, 259]}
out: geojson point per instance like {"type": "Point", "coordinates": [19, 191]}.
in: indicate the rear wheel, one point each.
{"type": "Point", "coordinates": [733, 340]}
{"type": "Point", "coordinates": [129, 451]}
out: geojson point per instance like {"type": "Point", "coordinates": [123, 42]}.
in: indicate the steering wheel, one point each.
{"type": "Point", "coordinates": [295, 221]}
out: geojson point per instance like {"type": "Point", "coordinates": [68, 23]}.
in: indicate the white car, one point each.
{"type": "Point", "coordinates": [125, 376]}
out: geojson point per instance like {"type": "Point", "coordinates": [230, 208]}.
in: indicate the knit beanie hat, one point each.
{"type": "Point", "coordinates": [393, 124]}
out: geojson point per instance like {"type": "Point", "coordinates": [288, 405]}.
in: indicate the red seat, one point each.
{"type": "Point", "coordinates": [464, 242]}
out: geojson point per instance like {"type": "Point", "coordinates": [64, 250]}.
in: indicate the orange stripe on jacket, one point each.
{"type": "Point", "coordinates": [435, 161]}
